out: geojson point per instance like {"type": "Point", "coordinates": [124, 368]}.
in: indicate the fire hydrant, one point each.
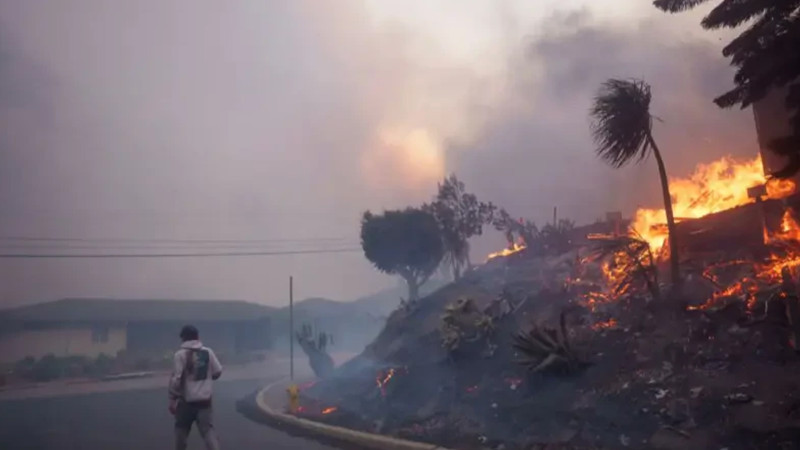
{"type": "Point", "coordinates": [294, 398]}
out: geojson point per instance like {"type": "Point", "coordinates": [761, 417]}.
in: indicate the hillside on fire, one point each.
{"type": "Point", "coordinates": [573, 337]}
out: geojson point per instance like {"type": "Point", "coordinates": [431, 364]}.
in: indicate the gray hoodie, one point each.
{"type": "Point", "coordinates": [195, 368]}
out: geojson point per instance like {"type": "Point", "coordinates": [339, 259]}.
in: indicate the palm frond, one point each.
{"type": "Point", "coordinates": [633, 253]}
{"type": "Point", "coordinates": [545, 349]}
{"type": "Point", "coordinates": [732, 14]}
{"type": "Point", "coordinates": [621, 121]}
{"type": "Point", "coordinates": [677, 5]}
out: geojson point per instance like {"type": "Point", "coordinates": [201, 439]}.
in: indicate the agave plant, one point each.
{"type": "Point", "coordinates": [546, 349]}
{"type": "Point", "coordinates": [315, 347]}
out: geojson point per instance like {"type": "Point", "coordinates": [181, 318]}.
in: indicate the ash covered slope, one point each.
{"type": "Point", "coordinates": [412, 335]}
{"type": "Point", "coordinates": [438, 370]}
{"type": "Point", "coordinates": [653, 378]}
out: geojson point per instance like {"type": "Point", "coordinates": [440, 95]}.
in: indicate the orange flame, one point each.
{"type": "Point", "coordinates": [789, 231]}
{"type": "Point", "coordinates": [713, 187]}
{"type": "Point", "coordinates": [610, 323]}
{"type": "Point", "coordinates": [329, 410]}
{"type": "Point", "coordinates": [764, 273]}
{"type": "Point", "coordinates": [515, 248]}
{"type": "Point", "coordinates": [383, 379]}
{"type": "Point", "coordinates": [592, 300]}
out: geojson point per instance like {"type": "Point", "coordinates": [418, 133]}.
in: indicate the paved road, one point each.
{"type": "Point", "coordinates": [131, 419]}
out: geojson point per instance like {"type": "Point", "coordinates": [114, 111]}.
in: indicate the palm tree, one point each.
{"type": "Point", "coordinates": [622, 130]}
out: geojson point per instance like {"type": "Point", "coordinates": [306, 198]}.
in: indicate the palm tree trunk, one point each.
{"type": "Point", "coordinates": [673, 235]}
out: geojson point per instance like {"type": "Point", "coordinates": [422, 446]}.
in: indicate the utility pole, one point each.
{"type": "Point", "coordinates": [291, 328]}
{"type": "Point", "coordinates": [555, 215]}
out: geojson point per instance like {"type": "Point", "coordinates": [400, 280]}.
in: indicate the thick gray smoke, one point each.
{"type": "Point", "coordinates": [288, 118]}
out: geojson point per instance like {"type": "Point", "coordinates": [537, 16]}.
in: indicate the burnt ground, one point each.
{"type": "Point", "coordinates": [657, 376]}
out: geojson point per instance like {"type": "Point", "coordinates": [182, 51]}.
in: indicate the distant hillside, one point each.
{"type": "Point", "coordinates": [353, 324]}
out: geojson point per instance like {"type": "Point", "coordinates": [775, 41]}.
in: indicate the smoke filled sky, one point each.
{"type": "Point", "coordinates": [286, 119]}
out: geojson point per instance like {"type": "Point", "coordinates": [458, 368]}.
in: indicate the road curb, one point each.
{"type": "Point", "coordinates": [360, 439]}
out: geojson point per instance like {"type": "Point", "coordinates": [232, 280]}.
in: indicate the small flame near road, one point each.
{"type": "Point", "coordinates": [329, 410]}
{"type": "Point", "coordinates": [384, 376]}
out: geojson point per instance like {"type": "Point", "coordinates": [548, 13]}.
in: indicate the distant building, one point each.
{"type": "Point", "coordinates": [90, 327]}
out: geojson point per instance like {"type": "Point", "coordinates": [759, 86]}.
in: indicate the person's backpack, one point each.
{"type": "Point", "coordinates": [196, 366]}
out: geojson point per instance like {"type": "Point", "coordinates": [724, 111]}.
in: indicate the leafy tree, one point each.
{"type": "Point", "coordinates": [622, 131]}
{"type": "Point", "coordinates": [403, 242]}
{"type": "Point", "coordinates": [514, 229]}
{"type": "Point", "coordinates": [460, 216]}
{"type": "Point", "coordinates": [552, 239]}
{"type": "Point", "coordinates": [765, 55]}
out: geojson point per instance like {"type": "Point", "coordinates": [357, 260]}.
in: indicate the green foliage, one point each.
{"type": "Point", "coordinates": [51, 367]}
{"type": "Point", "coordinates": [24, 366]}
{"type": "Point", "coordinates": [460, 216]}
{"type": "Point", "coordinates": [765, 55]}
{"type": "Point", "coordinates": [46, 369]}
{"type": "Point", "coordinates": [102, 365]}
{"type": "Point", "coordinates": [403, 242]}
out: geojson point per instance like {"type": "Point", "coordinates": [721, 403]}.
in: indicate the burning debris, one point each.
{"type": "Point", "coordinates": [628, 266]}
{"type": "Point", "coordinates": [474, 373]}
{"type": "Point", "coordinates": [605, 325]}
{"type": "Point", "coordinates": [713, 187]}
{"type": "Point", "coordinates": [385, 376]}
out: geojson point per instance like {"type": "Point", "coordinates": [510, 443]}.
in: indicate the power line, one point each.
{"type": "Point", "coordinates": [166, 241]}
{"type": "Point", "coordinates": [175, 255]}
{"type": "Point", "coordinates": [18, 245]}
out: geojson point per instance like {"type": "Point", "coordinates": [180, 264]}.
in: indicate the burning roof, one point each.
{"type": "Point", "coordinates": [713, 187]}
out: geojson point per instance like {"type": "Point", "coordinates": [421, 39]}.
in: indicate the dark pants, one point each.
{"type": "Point", "coordinates": [188, 413]}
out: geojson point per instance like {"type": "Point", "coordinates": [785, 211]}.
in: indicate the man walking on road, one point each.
{"type": "Point", "coordinates": [190, 389]}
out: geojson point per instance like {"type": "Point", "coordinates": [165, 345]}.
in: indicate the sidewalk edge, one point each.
{"type": "Point", "coordinates": [359, 438]}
